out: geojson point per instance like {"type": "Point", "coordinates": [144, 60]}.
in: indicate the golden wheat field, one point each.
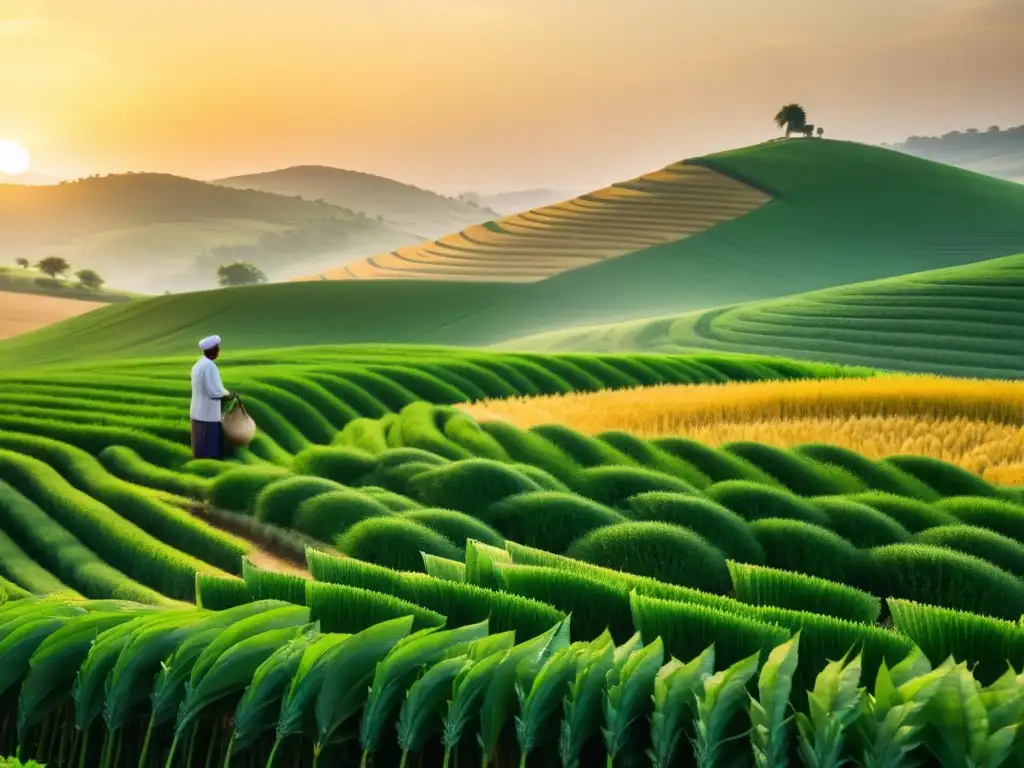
{"type": "Point", "coordinates": [973, 423]}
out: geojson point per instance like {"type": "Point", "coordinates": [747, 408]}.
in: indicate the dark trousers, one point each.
{"type": "Point", "coordinates": [207, 440]}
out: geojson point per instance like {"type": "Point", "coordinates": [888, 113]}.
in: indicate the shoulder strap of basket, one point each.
{"type": "Point", "coordinates": [238, 404]}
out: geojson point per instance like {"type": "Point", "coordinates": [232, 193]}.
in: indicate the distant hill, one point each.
{"type": "Point", "coordinates": [963, 320]}
{"type": "Point", "coordinates": [514, 202]}
{"type": "Point", "coordinates": [155, 232]}
{"type": "Point", "coordinates": [828, 214]}
{"type": "Point", "coordinates": [994, 151]}
{"type": "Point", "coordinates": [405, 206]}
{"type": "Point", "coordinates": [30, 179]}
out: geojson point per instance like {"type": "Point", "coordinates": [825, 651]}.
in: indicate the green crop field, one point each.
{"type": "Point", "coordinates": [957, 321]}
{"type": "Point", "coordinates": [839, 213]}
{"type": "Point", "coordinates": [382, 580]}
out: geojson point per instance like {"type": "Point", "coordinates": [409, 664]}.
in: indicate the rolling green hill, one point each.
{"type": "Point", "coordinates": [404, 206]}
{"type": "Point", "coordinates": [838, 213]}
{"type": "Point", "coordinates": [961, 321]}
{"type": "Point", "coordinates": [148, 232]}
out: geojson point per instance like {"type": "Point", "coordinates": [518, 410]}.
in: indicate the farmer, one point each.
{"type": "Point", "coordinates": [208, 396]}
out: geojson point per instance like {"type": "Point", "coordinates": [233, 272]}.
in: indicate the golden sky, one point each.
{"type": "Point", "coordinates": [486, 94]}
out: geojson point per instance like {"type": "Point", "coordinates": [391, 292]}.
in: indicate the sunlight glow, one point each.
{"type": "Point", "coordinates": [14, 158]}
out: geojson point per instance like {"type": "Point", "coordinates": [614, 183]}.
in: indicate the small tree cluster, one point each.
{"type": "Point", "coordinates": [56, 268]}
{"type": "Point", "coordinates": [240, 273]}
{"type": "Point", "coordinates": [793, 118]}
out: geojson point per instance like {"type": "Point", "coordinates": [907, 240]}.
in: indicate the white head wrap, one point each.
{"type": "Point", "coordinates": [209, 343]}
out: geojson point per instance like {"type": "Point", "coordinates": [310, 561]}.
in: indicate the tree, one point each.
{"type": "Point", "coordinates": [821, 131]}
{"type": "Point", "coordinates": [53, 266]}
{"type": "Point", "coordinates": [792, 117]}
{"type": "Point", "coordinates": [240, 273]}
{"type": "Point", "coordinates": [89, 279]}
{"type": "Point", "coordinates": [23, 263]}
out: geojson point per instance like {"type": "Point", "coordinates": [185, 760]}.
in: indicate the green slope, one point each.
{"type": "Point", "coordinates": [966, 320]}
{"type": "Point", "coordinates": [841, 213]}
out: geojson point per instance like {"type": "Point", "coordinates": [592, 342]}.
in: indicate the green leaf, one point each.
{"type": "Point", "coordinates": [298, 706]}
{"type": "Point", "coordinates": [18, 646]}
{"type": "Point", "coordinates": [349, 672]}
{"type": "Point", "coordinates": [257, 711]}
{"type": "Point", "coordinates": [675, 695]}
{"type": "Point", "coordinates": [499, 698]}
{"type": "Point", "coordinates": [582, 706]}
{"type": "Point", "coordinates": [717, 704]}
{"type": "Point", "coordinates": [540, 697]}
{"type": "Point", "coordinates": [421, 715]}
{"type": "Point", "coordinates": [768, 715]}
{"type": "Point", "coordinates": [630, 686]}
{"type": "Point", "coordinates": [467, 692]}
{"type": "Point", "coordinates": [398, 670]}
{"type": "Point", "coordinates": [834, 705]}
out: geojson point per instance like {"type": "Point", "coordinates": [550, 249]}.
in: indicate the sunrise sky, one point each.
{"type": "Point", "coordinates": [486, 94]}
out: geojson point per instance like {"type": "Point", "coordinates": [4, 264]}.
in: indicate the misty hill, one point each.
{"type": "Point", "coordinates": [833, 213]}
{"type": "Point", "coordinates": [31, 179]}
{"type": "Point", "coordinates": [154, 232]}
{"type": "Point", "coordinates": [993, 151]}
{"type": "Point", "coordinates": [405, 206]}
{"type": "Point", "coordinates": [516, 201]}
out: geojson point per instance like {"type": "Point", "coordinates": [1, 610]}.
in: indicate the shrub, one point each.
{"type": "Point", "coordinates": [583, 450]}
{"type": "Point", "coordinates": [218, 593]}
{"type": "Point", "coordinates": [861, 525]}
{"type": "Point", "coordinates": [1000, 516]}
{"type": "Point", "coordinates": [397, 478]}
{"type": "Point", "coordinates": [457, 527]}
{"type": "Point", "coordinates": [237, 489]}
{"type": "Point", "coordinates": [652, 457]}
{"type": "Point", "coordinates": [595, 605]}
{"type": "Point", "coordinates": [687, 629]}
{"type": "Point", "coordinates": [879, 476]}
{"type": "Point", "coordinates": [544, 480]}
{"type": "Point", "coordinates": [758, 585]}
{"type": "Point", "coordinates": [394, 457]}
{"type": "Point", "coordinates": [613, 485]}
{"type": "Point", "coordinates": [348, 610]}
{"type": "Point", "coordinates": [342, 465]}
{"type": "Point", "coordinates": [718, 466]}
{"type": "Point", "coordinates": [944, 632]}
{"type": "Point", "coordinates": [367, 435]}
{"type": "Point", "coordinates": [529, 448]}
{"type": "Point", "coordinates": [462, 603]}
{"type": "Point", "coordinates": [712, 522]}
{"type": "Point", "coordinates": [279, 502]}
{"type": "Point", "coordinates": [465, 432]}
{"type": "Point", "coordinates": [443, 568]}
{"type": "Point", "coordinates": [1001, 551]}
{"type": "Point", "coordinates": [659, 550]}
{"type": "Point", "coordinates": [469, 486]}
{"type": "Point", "coordinates": [801, 475]}
{"type": "Point", "coordinates": [396, 502]}
{"type": "Point", "coordinates": [327, 516]}
{"type": "Point", "coordinates": [395, 543]}
{"type": "Point", "coordinates": [947, 479]}
{"type": "Point", "coordinates": [419, 428]}
{"type": "Point", "coordinates": [18, 566]}
{"type": "Point", "coordinates": [913, 515]}
{"type": "Point", "coordinates": [921, 573]}
{"type": "Point", "coordinates": [208, 468]}
{"type": "Point", "coordinates": [814, 550]}
{"type": "Point", "coordinates": [273, 585]}
{"type": "Point", "coordinates": [126, 464]}
{"type": "Point", "coordinates": [549, 519]}
{"type": "Point", "coordinates": [752, 501]}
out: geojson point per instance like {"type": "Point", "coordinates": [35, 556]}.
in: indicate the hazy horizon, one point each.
{"type": "Point", "coordinates": [488, 96]}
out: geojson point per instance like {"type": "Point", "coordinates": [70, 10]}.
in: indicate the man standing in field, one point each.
{"type": "Point", "coordinates": [208, 397]}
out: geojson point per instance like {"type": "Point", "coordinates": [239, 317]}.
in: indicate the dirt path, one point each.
{"type": "Point", "coordinates": [24, 312]}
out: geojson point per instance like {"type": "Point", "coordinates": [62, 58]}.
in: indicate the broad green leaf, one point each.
{"type": "Point", "coordinates": [582, 706]}
{"type": "Point", "coordinates": [499, 698]}
{"type": "Point", "coordinates": [18, 646]}
{"type": "Point", "coordinates": [768, 714]}
{"type": "Point", "coordinates": [169, 686]}
{"type": "Point", "coordinates": [88, 689]}
{"type": "Point", "coordinates": [676, 687]}
{"type": "Point", "coordinates": [540, 697]}
{"type": "Point", "coordinates": [833, 706]}
{"type": "Point", "coordinates": [630, 687]}
{"type": "Point", "coordinates": [398, 670]}
{"type": "Point", "coordinates": [348, 675]}
{"type": "Point", "coordinates": [297, 707]}
{"type": "Point", "coordinates": [467, 692]}
{"type": "Point", "coordinates": [258, 710]}
{"type": "Point", "coordinates": [721, 698]}
{"type": "Point", "coordinates": [131, 680]}
{"type": "Point", "coordinates": [421, 713]}
{"type": "Point", "coordinates": [1004, 700]}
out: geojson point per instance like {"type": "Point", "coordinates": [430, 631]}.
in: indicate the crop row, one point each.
{"type": "Point", "coordinates": [116, 684]}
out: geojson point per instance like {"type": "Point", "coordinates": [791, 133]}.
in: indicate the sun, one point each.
{"type": "Point", "coordinates": [14, 158]}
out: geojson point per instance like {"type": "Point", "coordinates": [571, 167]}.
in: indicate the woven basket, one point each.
{"type": "Point", "coordinates": [239, 428]}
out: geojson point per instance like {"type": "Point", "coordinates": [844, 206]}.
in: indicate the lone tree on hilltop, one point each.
{"type": "Point", "coordinates": [240, 273]}
{"type": "Point", "coordinates": [792, 117]}
{"type": "Point", "coordinates": [23, 263]}
{"type": "Point", "coordinates": [89, 279]}
{"type": "Point", "coordinates": [53, 266]}
{"type": "Point", "coordinates": [821, 131]}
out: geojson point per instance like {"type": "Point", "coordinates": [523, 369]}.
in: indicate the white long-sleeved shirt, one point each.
{"type": "Point", "coordinates": [207, 388]}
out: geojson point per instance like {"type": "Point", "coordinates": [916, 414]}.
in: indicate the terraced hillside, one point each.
{"type": "Point", "coordinates": [960, 321]}
{"type": "Point", "coordinates": [665, 206]}
{"type": "Point", "coordinates": [475, 591]}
